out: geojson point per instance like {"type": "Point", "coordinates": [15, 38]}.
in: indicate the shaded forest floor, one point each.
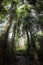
{"type": "Point", "coordinates": [22, 60]}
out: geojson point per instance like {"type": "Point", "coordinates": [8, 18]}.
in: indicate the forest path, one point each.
{"type": "Point", "coordinates": [22, 60]}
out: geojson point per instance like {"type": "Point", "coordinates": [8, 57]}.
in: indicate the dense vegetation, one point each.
{"type": "Point", "coordinates": [21, 16]}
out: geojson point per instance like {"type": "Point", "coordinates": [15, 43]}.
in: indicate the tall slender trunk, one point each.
{"type": "Point", "coordinates": [13, 44]}
{"type": "Point", "coordinates": [28, 43]}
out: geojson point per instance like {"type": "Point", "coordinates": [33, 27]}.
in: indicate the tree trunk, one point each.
{"type": "Point", "coordinates": [28, 43]}
{"type": "Point", "coordinates": [3, 38]}
{"type": "Point", "coordinates": [13, 44]}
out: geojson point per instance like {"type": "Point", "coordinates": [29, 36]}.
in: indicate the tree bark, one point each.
{"type": "Point", "coordinates": [28, 43]}
{"type": "Point", "coordinates": [3, 38]}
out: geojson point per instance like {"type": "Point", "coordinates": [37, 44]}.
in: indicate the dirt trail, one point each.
{"type": "Point", "coordinates": [21, 60]}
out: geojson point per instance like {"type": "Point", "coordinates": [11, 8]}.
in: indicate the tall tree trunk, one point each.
{"type": "Point", "coordinates": [3, 38]}
{"type": "Point", "coordinates": [28, 43]}
{"type": "Point", "coordinates": [13, 45]}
